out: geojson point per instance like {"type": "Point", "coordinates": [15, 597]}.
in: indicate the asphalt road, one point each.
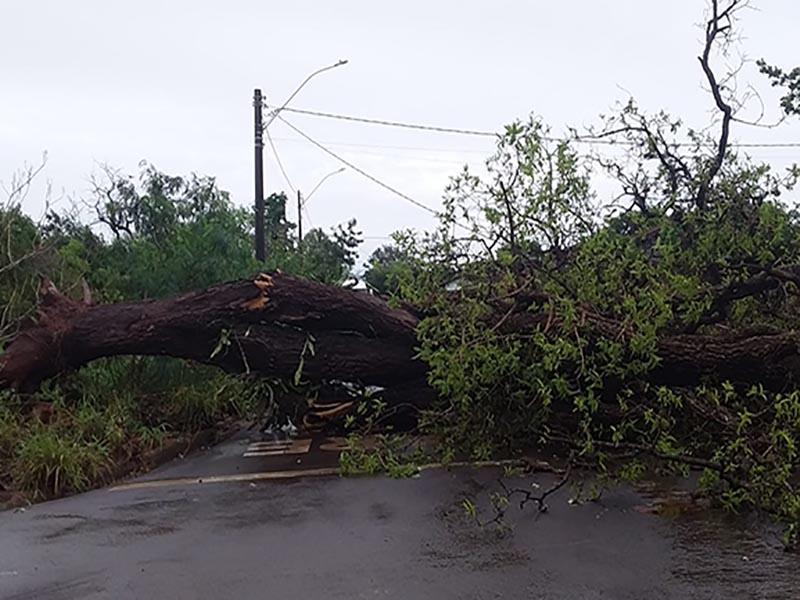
{"type": "Point", "coordinates": [168, 535]}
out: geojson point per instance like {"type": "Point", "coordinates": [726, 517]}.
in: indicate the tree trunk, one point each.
{"type": "Point", "coordinates": [276, 324]}
{"type": "Point", "coordinates": [270, 325]}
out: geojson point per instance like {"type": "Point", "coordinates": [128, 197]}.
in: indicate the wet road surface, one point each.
{"type": "Point", "coordinates": [327, 537]}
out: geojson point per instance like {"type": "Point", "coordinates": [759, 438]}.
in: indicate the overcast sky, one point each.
{"type": "Point", "coordinates": [101, 81]}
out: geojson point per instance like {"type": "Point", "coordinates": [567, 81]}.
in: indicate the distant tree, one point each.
{"type": "Point", "coordinates": [329, 258]}
{"type": "Point", "coordinates": [386, 267]}
{"type": "Point", "coordinates": [169, 234]}
{"type": "Point", "coordinates": [277, 229]}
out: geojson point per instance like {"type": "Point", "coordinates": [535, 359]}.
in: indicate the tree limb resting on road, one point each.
{"type": "Point", "coordinates": [275, 324]}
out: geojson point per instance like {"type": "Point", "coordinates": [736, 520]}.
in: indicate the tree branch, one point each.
{"type": "Point", "coordinates": [715, 28]}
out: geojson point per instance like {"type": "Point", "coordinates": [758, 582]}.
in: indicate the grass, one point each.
{"type": "Point", "coordinates": [48, 464]}
{"type": "Point", "coordinates": [109, 414]}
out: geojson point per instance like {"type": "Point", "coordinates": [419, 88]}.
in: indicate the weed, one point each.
{"type": "Point", "coordinates": [49, 465]}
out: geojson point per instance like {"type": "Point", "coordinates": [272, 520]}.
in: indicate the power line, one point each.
{"type": "Point", "coordinates": [358, 170]}
{"type": "Point", "coordinates": [387, 147]}
{"type": "Point", "coordinates": [308, 217]}
{"type": "Point", "coordinates": [592, 140]}
{"type": "Point", "coordinates": [368, 176]}
{"type": "Point", "coordinates": [434, 150]}
{"type": "Point", "coordinates": [766, 145]}
{"type": "Point", "coordinates": [278, 160]}
{"type": "Point", "coordinates": [391, 123]}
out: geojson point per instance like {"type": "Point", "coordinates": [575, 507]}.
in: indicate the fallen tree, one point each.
{"type": "Point", "coordinates": [273, 325]}
{"type": "Point", "coordinates": [664, 324]}
{"type": "Point", "coordinates": [277, 324]}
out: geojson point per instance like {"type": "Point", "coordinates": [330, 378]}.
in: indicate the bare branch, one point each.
{"type": "Point", "coordinates": [718, 25]}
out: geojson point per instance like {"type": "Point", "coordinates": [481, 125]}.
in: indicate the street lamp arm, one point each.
{"type": "Point", "coordinates": [321, 181]}
{"type": "Point", "coordinates": [277, 111]}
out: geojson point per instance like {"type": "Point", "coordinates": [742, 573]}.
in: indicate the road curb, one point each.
{"type": "Point", "coordinates": [297, 474]}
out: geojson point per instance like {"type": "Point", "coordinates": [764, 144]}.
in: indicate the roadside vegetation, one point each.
{"type": "Point", "coordinates": [133, 238]}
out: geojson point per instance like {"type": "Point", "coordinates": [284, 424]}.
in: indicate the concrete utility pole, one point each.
{"type": "Point", "coordinates": [258, 103]}
{"type": "Point", "coordinates": [299, 216]}
{"type": "Point", "coordinates": [261, 250]}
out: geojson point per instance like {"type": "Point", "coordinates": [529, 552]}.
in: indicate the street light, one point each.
{"type": "Point", "coordinates": [276, 112]}
{"type": "Point", "coordinates": [301, 202]}
{"type": "Point", "coordinates": [258, 104]}
{"type": "Point", "coordinates": [321, 181]}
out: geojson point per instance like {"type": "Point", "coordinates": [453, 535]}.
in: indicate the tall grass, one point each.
{"type": "Point", "coordinates": [109, 413]}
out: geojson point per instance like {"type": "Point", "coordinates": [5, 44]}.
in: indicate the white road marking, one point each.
{"type": "Point", "coordinates": [320, 472]}
{"type": "Point", "coordinates": [272, 444]}
{"type": "Point", "coordinates": [278, 448]}
{"type": "Point", "coordinates": [158, 483]}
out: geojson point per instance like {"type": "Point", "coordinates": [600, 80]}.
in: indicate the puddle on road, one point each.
{"type": "Point", "coordinates": [711, 545]}
{"type": "Point", "coordinates": [654, 530]}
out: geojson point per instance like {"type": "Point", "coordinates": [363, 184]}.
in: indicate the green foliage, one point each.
{"type": "Point", "coordinates": [393, 455]}
{"type": "Point", "coordinates": [501, 386]}
{"type": "Point", "coordinates": [110, 413]}
{"type": "Point", "coordinates": [396, 455]}
{"type": "Point", "coordinates": [387, 268]}
{"type": "Point", "coordinates": [545, 314]}
{"type": "Point", "coordinates": [24, 256]}
{"type": "Point", "coordinates": [171, 234]}
{"type": "Point", "coordinates": [789, 80]}
{"type": "Point", "coordinates": [469, 508]}
{"type": "Point", "coordinates": [328, 258]}
{"type": "Point", "coordinates": [10, 431]}
{"type": "Point", "coordinates": [151, 236]}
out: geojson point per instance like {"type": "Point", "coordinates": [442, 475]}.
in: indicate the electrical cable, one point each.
{"type": "Point", "coordinates": [278, 160]}
{"type": "Point", "coordinates": [581, 139]}
{"type": "Point", "coordinates": [360, 171]}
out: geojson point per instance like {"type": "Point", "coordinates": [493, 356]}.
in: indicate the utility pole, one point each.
{"type": "Point", "coordinates": [261, 251]}
{"type": "Point", "coordinates": [299, 216]}
{"type": "Point", "coordinates": [258, 103]}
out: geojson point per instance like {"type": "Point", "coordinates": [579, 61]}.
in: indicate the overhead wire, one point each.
{"type": "Point", "coordinates": [400, 149]}
{"type": "Point", "coordinates": [278, 160]}
{"type": "Point", "coordinates": [358, 170]}
{"type": "Point", "coordinates": [474, 132]}
{"type": "Point", "coordinates": [372, 178]}
{"type": "Point", "coordinates": [391, 123]}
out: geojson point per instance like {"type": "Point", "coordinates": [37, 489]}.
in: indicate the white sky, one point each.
{"type": "Point", "coordinates": [94, 81]}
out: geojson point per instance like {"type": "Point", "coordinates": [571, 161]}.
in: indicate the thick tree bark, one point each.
{"type": "Point", "coordinates": [769, 358]}
{"type": "Point", "coordinates": [275, 323]}
{"type": "Point", "coordinates": [267, 325]}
